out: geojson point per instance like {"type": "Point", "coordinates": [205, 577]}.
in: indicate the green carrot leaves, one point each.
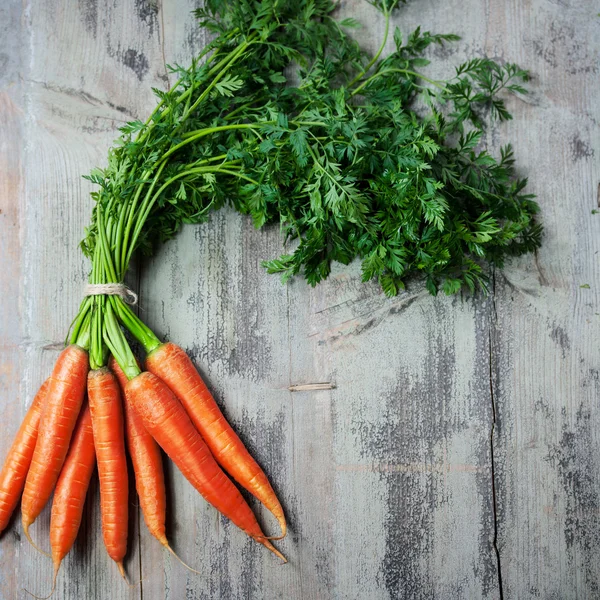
{"type": "Point", "coordinates": [285, 118]}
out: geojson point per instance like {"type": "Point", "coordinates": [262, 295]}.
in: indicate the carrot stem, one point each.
{"type": "Point", "coordinates": [117, 344]}
{"type": "Point", "coordinates": [142, 333]}
{"type": "Point", "coordinates": [81, 336]}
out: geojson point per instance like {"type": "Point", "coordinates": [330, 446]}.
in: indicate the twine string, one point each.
{"type": "Point", "coordinates": [112, 289]}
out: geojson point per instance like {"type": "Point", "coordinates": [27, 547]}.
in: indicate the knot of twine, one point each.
{"type": "Point", "coordinates": [112, 289]}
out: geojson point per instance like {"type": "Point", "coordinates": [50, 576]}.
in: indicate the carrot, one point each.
{"type": "Point", "coordinates": [66, 389]}
{"type": "Point", "coordinates": [148, 468]}
{"type": "Point", "coordinates": [71, 490]}
{"type": "Point", "coordinates": [174, 367]}
{"type": "Point", "coordinates": [166, 420]}
{"type": "Point", "coordinates": [16, 465]}
{"type": "Point", "coordinates": [107, 424]}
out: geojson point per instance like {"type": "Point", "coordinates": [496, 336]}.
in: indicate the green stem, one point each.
{"type": "Point", "coordinates": [309, 123]}
{"type": "Point", "coordinates": [79, 321]}
{"type": "Point", "coordinates": [217, 67]}
{"type": "Point", "coordinates": [406, 71]}
{"type": "Point", "coordinates": [240, 175]}
{"type": "Point", "coordinates": [200, 133]}
{"type": "Point", "coordinates": [142, 135]}
{"type": "Point", "coordinates": [121, 246]}
{"type": "Point", "coordinates": [96, 325]}
{"type": "Point", "coordinates": [117, 344]}
{"type": "Point", "coordinates": [387, 14]}
{"type": "Point", "coordinates": [142, 333]}
{"type": "Point", "coordinates": [104, 244]}
{"type": "Point", "coordinates": [119, 232]}
{"type": "Point", "coordinates": [214, 159]}
{"type": "Point", "coordinates": [236, 54]}
{"type": "Point", "coordinates": [146, 206]}
{"type": "Point", "coordinates": [126, 251]}
{"type": "Point", "coordinates": [192, 136]}
{"type": "Point", "coordinates": [82, 339]}
{"type": "Point", "coordinates": [241, 107]}
{"type": "Point", "coordinates": [96, 351]}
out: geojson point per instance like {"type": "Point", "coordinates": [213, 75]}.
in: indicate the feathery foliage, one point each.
{"type": "Point", "coordinates": [288, 120]}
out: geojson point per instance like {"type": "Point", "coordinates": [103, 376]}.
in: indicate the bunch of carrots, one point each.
{"type": "Point", "coordinates": [65, 435]}
{"type": "Point", "coordinates": [337, 156]}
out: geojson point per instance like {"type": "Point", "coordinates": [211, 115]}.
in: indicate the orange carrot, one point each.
{"type": "Point", "coordinates": [174, 367]}
{"type": "Point", "coordinates": [147, 467]}
{"type": "Point", "coordinates": [66, 389]}
{"type": "Point", "coordinates": [168, 423]}
{"type": "Point", "coordinates": [71, 490]}
{"type": "Point", "coordinates": [107, 424]}
{"type": "Point", "coordinates": [16, 465]}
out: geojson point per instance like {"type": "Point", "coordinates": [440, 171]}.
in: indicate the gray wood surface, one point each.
{"type": "Point", "coordinates": [457, 455]}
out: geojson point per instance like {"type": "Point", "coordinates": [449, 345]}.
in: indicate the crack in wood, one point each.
{"type": "Point", "coordinates": [80, 94]}
{"type": "Point", "coordinates": [67, 91]}
{"type": "Point", "coordinates": [492, 459]}
{"type": "Point", "coordinates": [367, 320]}
{"type": "Point", "coordinates": [33, 345]}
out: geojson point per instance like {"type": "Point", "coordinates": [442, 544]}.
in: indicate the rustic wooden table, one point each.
{"type": "Point", "coordinates": [457, 456]}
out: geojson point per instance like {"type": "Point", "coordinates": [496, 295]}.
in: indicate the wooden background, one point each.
{"type": "Point", "coordinates": [458, 455]}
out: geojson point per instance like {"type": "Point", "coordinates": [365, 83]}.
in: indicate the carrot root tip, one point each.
{"type": "Point", "coordinates": [268, 545]}
{"type": "Point", "coordinates": [26, 532]}
{"type": "Point", "coordinates": [56, 568]}
{"type": "Point", "coordinates": [124, 575]}
{"type": "Point", "coordinates": [166, 545]}
{"type": "Point", "coordinates": [122, 571]}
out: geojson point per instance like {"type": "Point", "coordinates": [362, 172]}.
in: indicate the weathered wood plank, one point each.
{"type": "Point", "coordinates": [12, 351]}
{"type": "Point", "coordinates": [545, 350]}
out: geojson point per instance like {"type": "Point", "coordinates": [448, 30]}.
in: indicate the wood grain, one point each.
{"type": "Point", "coordinates": [544, 332]}
{"type": "Point", "coordinates": [13, 350]}
{"type": "Point", "coordinates": [456, 455]}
